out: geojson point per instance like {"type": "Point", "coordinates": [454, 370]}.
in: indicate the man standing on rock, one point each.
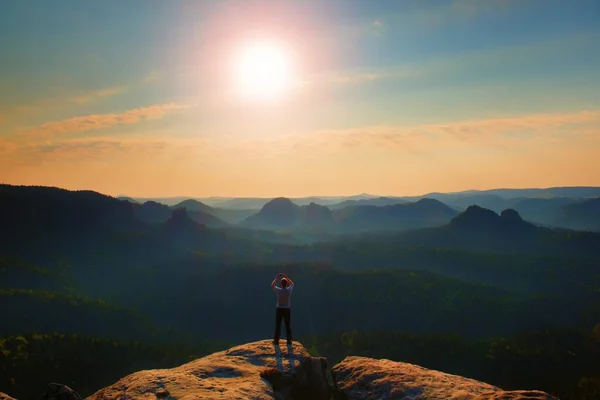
{"type": "Point", "coordinates": [284, 298]}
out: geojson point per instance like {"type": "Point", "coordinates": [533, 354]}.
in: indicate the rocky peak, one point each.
{"type": "Point", "coordinates": [366, 378]}
{"type": "Point", "coordinates": [287, 372]}
{"type": "Point", "coordinates": [262, 370]}
{"type": "Point", "coordinates": [475, 217]}
{"type": "Point", "coordinates": [279, 203]}
{"type": "Point", "coordinates": [279, 212]}
{"type": "Point", "coordinates": [511, 215]}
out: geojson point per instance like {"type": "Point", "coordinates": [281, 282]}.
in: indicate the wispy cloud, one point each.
{"type": "Point", "coordinates": [508, 131]}
{"type": "Point", "coordinates": [98, 94]}
{"type": "Point", "coordinates": [102, 121]}
{"type": "Point", "coordinates": [42, 105]}
{"type": "Point", "coordinates": [60, 150]}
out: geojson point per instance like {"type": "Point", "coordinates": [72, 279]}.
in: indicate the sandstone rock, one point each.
{"type": "Point", "coordinates": [4, 396]}
{"type": "Point", "coordinates": [229, 374]}
{"type": "Point", "coordinates": [366, 378]}
{"type": "Point", "coordinates": [261, 370]}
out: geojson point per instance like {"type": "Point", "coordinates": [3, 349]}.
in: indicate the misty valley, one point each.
{"type": "Point", "coordinates": [94, 287]}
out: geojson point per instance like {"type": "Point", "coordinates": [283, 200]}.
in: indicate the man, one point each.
{"type": "Point", "coordinates": [284, 297]}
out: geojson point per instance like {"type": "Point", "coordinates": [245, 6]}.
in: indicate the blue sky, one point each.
{"type": "Point", "coordinates": [464, 94]}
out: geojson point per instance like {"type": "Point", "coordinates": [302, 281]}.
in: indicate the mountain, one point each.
{"type": "Point", "coordinates": [462, 201]}
{"type": "Point", "coordinates": [262, 370]}
{"type": "Point", "coordinates": [246, 203]}
{"type": "Point", "coordinates": [568, 191]}
{"type": "Point", "coordinates": [283, 214]}
{"type": "Point", "coordinates": [479, 220]}
{"type": "Point", "coordinates": [193, 205]}
{"type": "Point", "coordinates": [156, 213]}
{"type": "Point", "coordinates": [37, 211]}
{"type": "Point", "coordinates": [256, 203]}
{"type": "Point", "coordinates": [152, 212]}
{"type": "Point", "coordinates": [378, 201]}
{"type": "Point", "coordinates": [129, 199]}
{"type": "Point", "coordinates": [230, 216]}
{"type": "Point", "coordinates": [544, 211]}
{"type": "Point", "coordinates": [564, 212]}
{"type": "Point", "coordinates": [398, 217]}
{"type": "Point", "coordinates": [559, 191]}
{"type": "Point", "coordinates": [481, 230]}
{"type": "Point", "coordinates": [279, 213]}
{"type": "Point", "coordinates": [584, 216]}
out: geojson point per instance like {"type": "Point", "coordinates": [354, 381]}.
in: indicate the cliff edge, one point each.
{"type": "Point", "coordinates": [263, 370]}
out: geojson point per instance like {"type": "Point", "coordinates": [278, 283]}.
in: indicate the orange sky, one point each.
{"type": "Point", "coordinates": [377, 102]}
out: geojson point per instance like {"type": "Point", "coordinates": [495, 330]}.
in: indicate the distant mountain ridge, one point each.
{"type": "Point", "coordinates": [282, 213]}
{"type": "Point", "coordinates": [505, 193]}
{"type": "Point", "coordinates": [230, 216]}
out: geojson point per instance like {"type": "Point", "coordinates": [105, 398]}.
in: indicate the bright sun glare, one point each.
{"type": "Point", "coordinates": [263, 71]}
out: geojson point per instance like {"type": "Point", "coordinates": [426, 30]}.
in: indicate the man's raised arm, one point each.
{"type": "Point", "coordinates": [275, 281]}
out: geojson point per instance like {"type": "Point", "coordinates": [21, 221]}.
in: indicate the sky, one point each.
{"type": "Point", "coordinates": [388, 97]}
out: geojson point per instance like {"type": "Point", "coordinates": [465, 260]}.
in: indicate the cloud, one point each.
{"type": "Point", "coordinates": [506, 131]}
{"type": "Point", "coordinates": [40, 105]}
{"type": "Point", "coordinates": [102, 121]}
{"type": "Point", "coordinates": [96, 94]}
{"type": "Point", "coordinates": [116, 149]}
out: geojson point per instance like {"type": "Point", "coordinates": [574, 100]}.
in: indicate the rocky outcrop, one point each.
{"type": "Point", "coordinates": [262, 370]}
{"type": "Point", "coordinates": [365, 378]}
{"type": "Point", "coordinates": [511, 215]}
{"type": "Point", "coordinates": [232, 374]}
{"type": "Point", "coordinates": [4, 396]}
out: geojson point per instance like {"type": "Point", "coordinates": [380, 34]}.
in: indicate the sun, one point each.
{"type": "Point", "coordinates": [263, 71]}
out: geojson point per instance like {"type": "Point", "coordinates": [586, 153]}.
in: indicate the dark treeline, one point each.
{"type": "Point", "coordinates": [86, 363]}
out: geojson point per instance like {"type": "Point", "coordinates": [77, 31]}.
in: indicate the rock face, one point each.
{"type": "Point", "coordinates": [365, 378]}
{"type": "Point", "coordinates": [230, 374]}
{"type": "Point", "coordinates": [262, 370]}
{"type": "Point", "coordinates": [4, 396]}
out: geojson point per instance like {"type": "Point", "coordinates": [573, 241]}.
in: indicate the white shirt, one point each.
{"type": "Point", "coordinates": [284, 296]}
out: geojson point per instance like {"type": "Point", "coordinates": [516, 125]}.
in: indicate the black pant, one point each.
{"type": "Point", "coordinates": [282, 313]}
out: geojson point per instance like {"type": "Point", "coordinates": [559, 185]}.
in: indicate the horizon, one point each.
{"type": "Point", "coordinates": [356, 194]}
{"type": "Point", "coordinates": [283, 99]}
{"type": "Point", "coordinates": [317, 196]}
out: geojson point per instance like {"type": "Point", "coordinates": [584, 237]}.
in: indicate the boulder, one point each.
{"type": "Point", "coordinates": [364, 378]}
{"type": "Point", "coordinates": [233, 373]}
